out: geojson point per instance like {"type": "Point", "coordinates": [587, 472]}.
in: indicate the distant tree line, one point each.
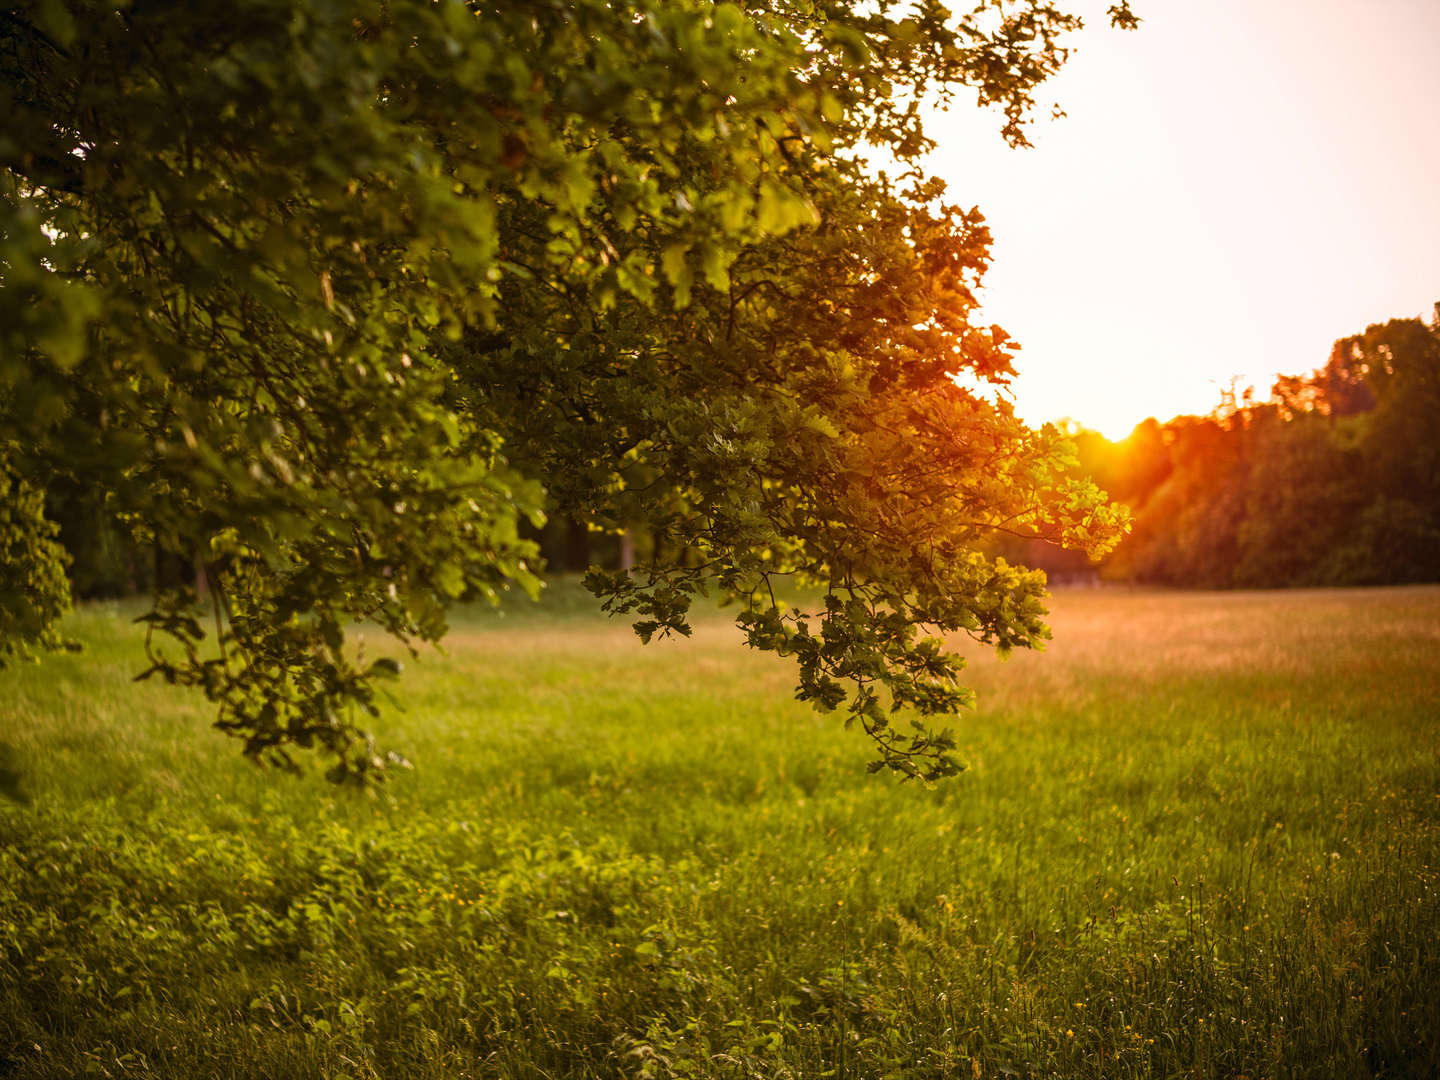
{"type": "Point", "coordinates": [1335, 480]}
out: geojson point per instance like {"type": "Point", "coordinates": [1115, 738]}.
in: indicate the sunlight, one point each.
{"type": "Point", "coordinates": [1173, 231]}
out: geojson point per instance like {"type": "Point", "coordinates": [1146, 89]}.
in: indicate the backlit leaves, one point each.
{"type": "Point", "coordinates": [329, 299]}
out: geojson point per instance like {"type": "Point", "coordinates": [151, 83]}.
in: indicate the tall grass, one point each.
{"type": "Point", "coordinates": [1199, 836]}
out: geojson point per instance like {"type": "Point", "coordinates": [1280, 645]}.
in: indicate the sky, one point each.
{"type": "Point", "coordinates": [1236, 184]}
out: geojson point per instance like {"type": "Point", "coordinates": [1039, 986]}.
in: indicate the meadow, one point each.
{"type": "Point", "coordinates": [1198, 836]}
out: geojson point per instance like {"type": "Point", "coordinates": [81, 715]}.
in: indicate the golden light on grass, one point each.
{"type": "Point", "coordinates": [1192, 807]}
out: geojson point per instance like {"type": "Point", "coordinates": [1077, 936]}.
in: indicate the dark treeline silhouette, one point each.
{"type": "Point", "coordinates": [1335, 480]}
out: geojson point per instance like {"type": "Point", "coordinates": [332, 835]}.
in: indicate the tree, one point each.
{"type": "Point", "coordinates": [332, 296]}
{"type": "Point", "coordinates": [1302, 500]}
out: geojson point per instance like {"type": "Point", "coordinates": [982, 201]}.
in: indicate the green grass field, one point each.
{"type": "Point", "coordinates": [1199, 837]}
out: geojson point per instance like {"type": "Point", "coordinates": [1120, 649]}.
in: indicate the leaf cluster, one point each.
{"type": "Point", "coordinates": [334, 299]}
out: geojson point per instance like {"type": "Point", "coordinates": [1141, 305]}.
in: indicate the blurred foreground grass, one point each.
{"type": "Point", "coordinates": [1199, 836]}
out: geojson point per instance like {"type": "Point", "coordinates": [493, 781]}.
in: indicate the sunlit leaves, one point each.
{"type": "Point", "coordinates": [331, 299]}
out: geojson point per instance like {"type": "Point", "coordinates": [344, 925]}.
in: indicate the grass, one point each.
{"type": "Point", "coordinates": [1199, 837]}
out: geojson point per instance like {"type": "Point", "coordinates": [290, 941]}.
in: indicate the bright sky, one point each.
{"type": "Point", "coordinates": [1237, 184]}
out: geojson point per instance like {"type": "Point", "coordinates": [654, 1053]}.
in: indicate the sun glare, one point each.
{"type": "Point", "coordinates": [1173, 232]}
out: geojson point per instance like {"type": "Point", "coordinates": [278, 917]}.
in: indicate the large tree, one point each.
{"type": "Point", "coordinates": [332, 295]}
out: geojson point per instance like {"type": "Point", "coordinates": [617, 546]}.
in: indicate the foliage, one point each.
{"type": "Point", "coordinates": [33, 590]}
{"type": "Point", "coordinates": [1333, 481]}
{"type": "Point", "coordinates": [332, 298]}
{"type": "Point", "coordinates": [1199, 837]}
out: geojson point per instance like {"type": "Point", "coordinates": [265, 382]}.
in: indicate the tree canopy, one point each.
{"type": "Point", "coordinates": [334, 296]}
